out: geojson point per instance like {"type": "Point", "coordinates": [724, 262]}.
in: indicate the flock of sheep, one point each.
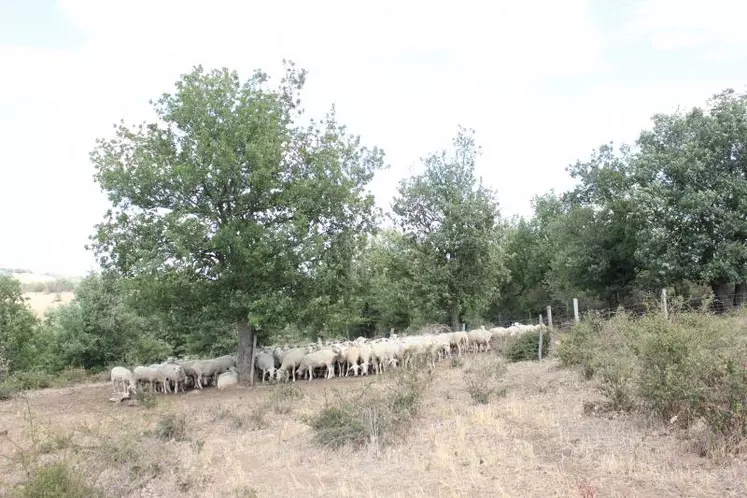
{"type": "Point", "coordinates": [333, 358]}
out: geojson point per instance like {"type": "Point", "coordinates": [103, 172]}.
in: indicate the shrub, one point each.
{"type": "Point", "coordinates": [482, 380]}
{"type": "Point", "coordinates": [695, 368]}
{"type": "Point", "coordinates": [7, 391]}
{"type": "Point", "coordinates": [690, 367]}
{"type": "Point", "coordinates": [526, 346]}
{"type": "Point", "coordinates": [149, 399]}
{"type": "Point", "coordinates": [283, 396]}
{"type": "Point", "coordinates": [373, 417]}
{"type": "Point", "coordinates": [576, 348]}
{"type": "Point", "coordinates": [56, 480]}
{"type": "Point", "coordinates": [172, 428]}
{"type": "Point", "coordinates": [22, 381]}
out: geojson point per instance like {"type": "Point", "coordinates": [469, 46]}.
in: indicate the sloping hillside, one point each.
{"type": "Point", "coordinates": [43, 290]}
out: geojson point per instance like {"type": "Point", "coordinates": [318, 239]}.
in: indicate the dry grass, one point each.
{"type": "Point", "coordinates": [40, 302]}
{"type": "Point", "coordinates": [537, 440]}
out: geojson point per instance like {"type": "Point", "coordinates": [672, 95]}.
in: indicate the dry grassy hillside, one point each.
{"type": "Point", "coordinates": [40, 302]}
{"type": "Point", "coordinates": [536, 440]}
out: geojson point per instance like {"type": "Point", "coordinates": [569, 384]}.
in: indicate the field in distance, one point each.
{"type": "Point", "coordinates": [43, 291]}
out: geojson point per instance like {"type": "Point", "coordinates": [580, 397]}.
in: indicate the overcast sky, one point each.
{"type": "Point", "coordinates": [542, 82]}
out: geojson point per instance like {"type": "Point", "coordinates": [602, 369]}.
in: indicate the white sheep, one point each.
{"type": "Point", "coordinates": [265, 362]}
{"type": "Point", "coordinates": [171, 372]}
{"type": "Point", "coordinates": [366, 355]}
{"type": "Point", "coordinates": [124, 377]}
{"type": "Point", "coordinates": [149, 375]}
{"type": "Point", "coordinates": [291, 359]}
{"type": "Point", "coordinates": [228, 379]}
{"type": "Point", "coordinates": [352, 356]}
{"type": "Point", "coordinates": [321, 358]}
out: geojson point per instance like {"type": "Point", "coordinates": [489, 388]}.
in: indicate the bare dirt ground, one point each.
{"type": "Point", "coordinates": [537, 440]}
{"type": "Point", "coordinates": [40, 302]}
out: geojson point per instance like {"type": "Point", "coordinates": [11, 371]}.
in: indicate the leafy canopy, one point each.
{"type": "Point", "coordinates": [227, 193]}
{"type": "Point", "coordinates": [453, 222]}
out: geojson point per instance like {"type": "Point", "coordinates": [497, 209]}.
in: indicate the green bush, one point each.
{"type": "Point", "coordinates": [56, 480]}
{"type": "Point", "coordinates": [526, 346]}
{"type": "Point", "coordinates": [576, 348]}
{"type": "Point", "coordinates": [23, 381]}
{"type": "Point", "coordinates": [7, 391]}
{"type": "Point", "coordinates": [689, 367]}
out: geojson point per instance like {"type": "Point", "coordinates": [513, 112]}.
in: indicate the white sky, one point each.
{"type": "Point", "coordinates": [542, 82]}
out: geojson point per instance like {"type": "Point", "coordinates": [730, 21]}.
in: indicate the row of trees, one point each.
{"type": "Point", "coordinates": [233, 214]}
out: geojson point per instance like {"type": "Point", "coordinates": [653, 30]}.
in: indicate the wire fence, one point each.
{"type": "Point", "coordinates": [563, 317]}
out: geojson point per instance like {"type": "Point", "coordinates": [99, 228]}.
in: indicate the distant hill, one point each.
{"type": "Point", "coordinates": [43, 290]}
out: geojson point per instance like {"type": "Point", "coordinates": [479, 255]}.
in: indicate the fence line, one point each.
{"type": "Point", "coordinates": [559, 320]}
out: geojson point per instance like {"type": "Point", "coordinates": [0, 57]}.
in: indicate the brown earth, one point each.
{"type": "Point", "coordinates": [537, 440]}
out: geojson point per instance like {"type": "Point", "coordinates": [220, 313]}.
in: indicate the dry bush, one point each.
{"type": "Point", "coordinates": [483, 377]}
{"type": "Point", "coordinates": [368, 416]}
{"type": "Point", "coordinates": [172, 427]}
{"type": "Point", "coordinates": [283, 397]}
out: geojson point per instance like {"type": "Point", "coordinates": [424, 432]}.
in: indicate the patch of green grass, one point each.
{"type": "Point", "coordinates": [56, 480]}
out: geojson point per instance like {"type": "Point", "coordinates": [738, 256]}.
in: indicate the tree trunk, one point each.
{"type": "Point", "coordinates": [724, 299]}
{"type": "Point", "coordinates": [246, 344]}
{"type": "Point", "coordinates": [454, 311]}
{"type": "Point", "coordinates": [740, 294]}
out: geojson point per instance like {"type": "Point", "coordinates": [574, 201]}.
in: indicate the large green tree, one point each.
{"type": "Point", "coordinates": [692, 185]}
{"type": "Point", "coordinates": [453, 223]}
{"type": "Point", "coordinates": [599, 238]}
{"type": "Point", "coordinates": [230, 195]}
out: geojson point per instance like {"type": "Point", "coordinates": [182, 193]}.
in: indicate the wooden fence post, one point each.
{"type": "Point", "coordinates": [539, 346]}
{"type": "Point", "coordinates": [549, 316]}
{"type": "Point", "coordinates": [664, 304]}
{"type": "Point", "coordinates": [464, 327]}
{"type": "Point", "coordinates": [575, 310]}
{"type": "Point", "coordinates": [540, 318]}
{"type": "Point", "coordinates": [254, 355]}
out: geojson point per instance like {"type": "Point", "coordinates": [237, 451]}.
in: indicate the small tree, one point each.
{"type": "Point", "coordinates": [452, 221]}
{"type": "Point", "coordinates": [17, 328]}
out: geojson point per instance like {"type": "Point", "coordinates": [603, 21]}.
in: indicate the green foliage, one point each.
{"type": "Point", "coordinates": [525, 347]}
{"type": "Point", "coordinates": [58, 480]}
{"type": "Point", "coordinates": [18, 325]}
{"type": "Point", "coordinates": [452, 224]}
{"type": "Point", "coordinates": [99, 328]}
{"type": "Point", "coordinates": [690, 367]}
{"type": "Point", "coordinates": [226, 198]}
{"type": "Point", "coordinates": [691, 187]}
